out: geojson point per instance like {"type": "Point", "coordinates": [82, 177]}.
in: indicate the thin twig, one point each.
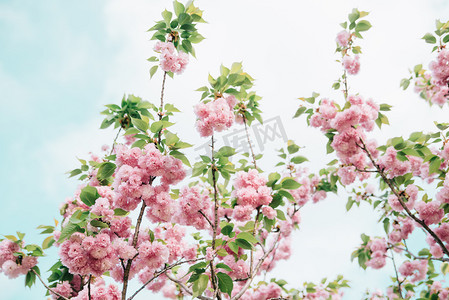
{"type": "Point", "coordinates": [207, 219]}
{"type": "Point", "coordinates": [88, 287]}
{"type": "Point", "coordinates": [135, 238]}
{"type": "Point", "coordinates": [397, 276]}
{"type": "Point", "coordinates": [186, 289]}
{"type": "Point", "coordinates": [249, 142]}
{"type": "Point", "coordinates": [420, 257]}
{"type": "Point", "coordinates": [400, 198]}
{"type": "Point", "coordinates": [256, 270]}
{"type": "Point", "coordinates": [214, 228]}
{"type": "Point", "coordinates": [46, 286]}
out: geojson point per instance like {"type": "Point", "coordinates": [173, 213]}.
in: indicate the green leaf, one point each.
{"type": "Point", "coordinates": [280, 215]}
{"type": "Point", "coordinates": [106, 170]}
{"type": "Point", "coordinates": [48, 242]}
{"type": "Point", "coordinates": [298, 159]}
{"type": "Point", "coordinates": [363, 25]}
{"type": "Point", "coordinates": [98, 223]}
{"type": "Point", "coordinates": [227, 229]}
{"type": "Point", "coordinates": [67, 231]}
{"type": "Point", "coordinates": [200, 285]}
{"type": "Point", "coordinates": [434, 166]}
{"type": "Point", "coordinates": [225, 283]}
{"type": "Point", "coordinates": [233, 246]}
{"type": "Point", "coordinates": [167, 16]}
{"type": "Point", "coordinates": [243, 244]}
{"type": "Point", "coordinates": [247, 237]}
{"type": "Point", "coordinates": [429, 38]}
{"type": "Point", "coordinates": [181, 157]}
{"type": "Point", "coordinates": [293, 148]}
{"type": "Point", "coordinates": [300, 111]}
{"type": "Point", "coordinates": [226, 151]}
{"type": "Point", "coordinates": [120, 212]}
{"type": "Point", "coordinates": [88, 195]}
{"type": "Point", "coordinates": [290, 184]}
{"type": "Point", "coordinates": [153, 70]}
{"type": "Point", "coordinates": [446, 38]}
{"type": "Point", "coordinates": [179, 8]}
{"type": "Point", "coordinates": [156, 126]}
{"type": "Point", "coordinates": [223, 266]}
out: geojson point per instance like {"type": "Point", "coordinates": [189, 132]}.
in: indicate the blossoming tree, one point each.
{"type": "Point", "coordinates": [407, 171]}
{"type": "Point", "coordinates": [137, 216]}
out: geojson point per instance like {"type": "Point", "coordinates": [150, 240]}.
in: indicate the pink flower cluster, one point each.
{"type": "Point", "coordinates": [401, 230]}
{"type": "Point", "coordinates": [192, 200]}
{"type": "Point", "coordinates": [169, 61]}
{"type": "Point", "coordinates": [393, 166]}
{"type": "Point", "coordinates": [443, 195]}
{"type": "Point", "coordinates": [11, 265]}
{"type": "Point", "coordinates": [378, 249]}
{"type": "Point", "coordinates": [350, 124]}
{"type": "Point", "coordinates": [251, 192]}
{"type": "Point", "coordinates": [440, 68]}
{"type": "Point", "coordinates": [263, 292]}
{"type": "Point", "coordinates": [215, 115]}
{"type": "Point", "coordinates": [429, 212]}
{"type": "Point", "coordinates": [308, 189]}
{"type": "Point", "coordinates": [136, 168]}
{"type": "Point", "coordinates": [87, 254]}
{"type": "Point", "coordinates": [416, 269]}
{"type": "Point", "coordinates": [411, 193]}
{"type": "Point", "coordinates": [99, 291]}
{"type": "Point", "coordinates": [351, 64]}
{"type": "Point", "coordinates": [443, 233]}
{"type": "Point", "coordinates": [437, 288]}
{"type": "Point", "coordinates": [343, 38]}
{"type": "Point", "coordinates": [437, 94]}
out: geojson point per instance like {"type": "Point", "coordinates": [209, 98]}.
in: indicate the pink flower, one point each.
{"type": "Point", "coordinates": [343, 38]}
{"type": "Point", "coordinates": [351, 64]}
{"type": "Point", "coordinates": [440, 68]}
{"type": "Point", "coordinates": [430, 212]}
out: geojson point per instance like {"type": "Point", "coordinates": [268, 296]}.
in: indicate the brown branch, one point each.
{"type": "Point", "coordinates": [162, 106]}
{"type": "Point", "coordinates": [114, 142]}
{"type": "Point", "coordinates": [249, 142]}
{"type": "Point", "coordinates": [400, 198]}
{"type": "Point", "coordinates": [186, 289]}
{"type": "Point", "coordinates": [214, 228]}
{"type": "Point", "coordinates": [128, 264]}
{"type": "Point", "coordinates": [420, 257]}
{"type": "Point", "coordinates": [397, 276]}
{"type": "Point", "coordinates": [256, 270]}
{"type": "Point", "coordinates": [165, 269]}
{"type": "Point", "coordinates": [254, 233]}
{"type": "Point", "coordinates": [46, 286]}
{"type": "Point", "coordinates": [207, 219]}
{"type": "Point", "coordinates": [88, 287]}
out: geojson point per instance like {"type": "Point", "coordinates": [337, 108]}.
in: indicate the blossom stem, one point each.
{"type": "Point", "coordinates": [128, 264]}
{"type": "Point", "coordinates": [397, 276]}
{"type": "Point", "coordinates": [214, 229]}
{"type": "Point", "coordinates": [256, 270]}
{"type": "Point", "coordinates": [401, 200]}
{"type": "Point", "coordinates": [46, 286]}
{"type": "Point", "coordinates": [249, 142]}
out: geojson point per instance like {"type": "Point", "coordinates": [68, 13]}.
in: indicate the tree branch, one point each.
{"type": "Point", "coordinates": [249, 142]}
{"type": "Point", "coordinates": [128, 264]}
{"type": "Point", "coordinates": [256, 270]}
{"type": "Point", "coordinates": [400, 198]}
{"type": "Point", "coordinates": [165, 269]}
{"type": "Point", "coordinates": [46, 286]}
{"type": "Point", "coordinates": [186, 289]}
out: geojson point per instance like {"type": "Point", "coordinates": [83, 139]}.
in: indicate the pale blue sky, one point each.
{"type": "Point", "coordinates": [61, 61]}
